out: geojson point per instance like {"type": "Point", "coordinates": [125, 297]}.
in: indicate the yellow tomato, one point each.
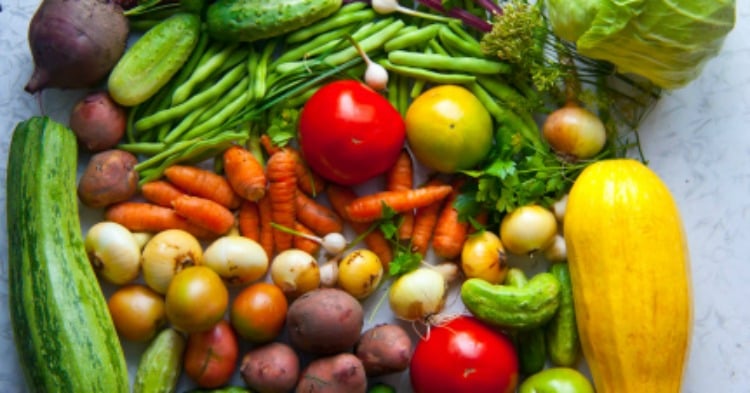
{"type": "Point", "coordinates": [448, 129]}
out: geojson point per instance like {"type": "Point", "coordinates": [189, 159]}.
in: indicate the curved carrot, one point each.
{"type": "Point", "coordinates": [244, 173]}
{"type": "Point", "coordinates": [203, 183]}
{"type": "Point", "coordinates": [303, 243]}
{"type": "Point", "coordinates": [450, 233]}
{"type": "Point", "coordinates": [341, 196]}
{"type": "Point", "coordinates": [317, 217]}
{"type": "Point", "coordinates": [282, 191]}
{"type": "Point", "coordinates": [425, 219]}
{"type": "Point", "coordinates": [401, 177]}
{"type": "Point", "coordinates": [204, 213]}
{"type": "Point", "coordinates": [161, 192]}
{"type": "Point", "coordinates": [248, 220]}
{"type": "Point", "coordinates": [308, 181]}
{"type": "Point", "coordinates": [370, 207]}
{"type": "Point", "coordinates": [266, 230]}
{"type": "Point", "coordinates": [268, 145]}
{"type": "Point", "coordinates": [148, 217]}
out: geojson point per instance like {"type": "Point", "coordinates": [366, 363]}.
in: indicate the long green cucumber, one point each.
{"type": "Point", "coordinates": [532, 350]}
{"type": "Point", "coordinates": [161, 363]}
{"type": "Point", "coordinates": [154, 59]}
{"type": "Point", "coordinates": [65, 338]}
{"type": "Point", "coordinates": [251, 20]}
{"type": "Point", "coordinates": [563, 343]}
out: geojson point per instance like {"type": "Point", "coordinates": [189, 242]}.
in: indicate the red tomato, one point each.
{"type": "Point", "coordinates": [349, 133]}
{"type": "Point", "coordinates": [464, 355]}
{"type": "Point", "coordinates": [211, 356]}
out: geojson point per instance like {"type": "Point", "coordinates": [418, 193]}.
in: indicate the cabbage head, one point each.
{"type": "Point", "coordinates": [665, 41]}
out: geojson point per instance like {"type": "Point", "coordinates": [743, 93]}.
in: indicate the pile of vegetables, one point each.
{"type": "Point", "coordinates": [268, 173]}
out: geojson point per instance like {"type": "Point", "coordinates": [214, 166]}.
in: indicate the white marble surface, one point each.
{"type": "Point", "coordinates": [696, 139]}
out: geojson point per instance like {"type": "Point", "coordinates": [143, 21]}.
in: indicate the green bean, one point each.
{"type": "Point", "coordinates": [436, 47]}
{"type": "Point", "coordinates": [237, 57]}
{"type": "Point", "coordinates": [454, 36]}
{"type": "Point", "coordinates": [219, 118]}
{"type": "Point", "coordinates": [369, 44]}
{"type": "Point", "coordinates": [298, 100]}
{"type": "Point", "coordinates": [259, 87]}
{"type": "Point", "coordinates": [302, 51]}
{"type": "Point", "coordinates": [187, 121]}
{"type": "Point", "coordinates": [418, 86]}
{"type": "Point", "coordinates": [506, 116]}
{"type": "Point", "coordinates": [428, 75]}
{"type": "Point", "coordinates": [195, 57]}
{"type": "Point", "coordinates": [392, 90]}
{"type": "Point", "coordinates": [147, 148]}
{"type": "Point", "coordinates": [501, 90]}
{"type": "Point", "coordinates": [157, 158]}
{"type": "Point", "coordinates": [413, 38]}
{"type": "Point", "coordinates": [403, 95]}
{"type": "Point", "coordinates": [331, 23]}
{"type": "Point", "coordinates": [440, 62]}
{"type": "Point", "coordinates": [236, 91]}
{"type": "Point", "coordinates": [202, 98]}
{"type": "Point", "coordinates": [201, 73]}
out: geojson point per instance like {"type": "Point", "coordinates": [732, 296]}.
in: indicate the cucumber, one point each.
{"type": "Point", "coordinates": [251, 20]}
{"type": "Point", "coordinates": [532, 349]}
{"type": "Point", "coordinates": [526, 307]}
{"type": "Point", "coordinates": [154, 59]}
{"type": "Point", "coordinates": [65, 338]}
{"type": "Point", "coordinates": [161, 364]}
{"type": "Point", "coordinates": [563, 343]}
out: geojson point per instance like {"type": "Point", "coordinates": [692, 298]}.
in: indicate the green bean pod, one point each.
{"type": "Point", "coordinates": [413, 39]}
{"type": "Point", "coordinates": [333, 22]}
{"type": "Point", "coordinates": [427, 75]}
{"type": "Point", "coordinates": [441, 62]}
{"type": "Point", "coordinates": [201, 73]}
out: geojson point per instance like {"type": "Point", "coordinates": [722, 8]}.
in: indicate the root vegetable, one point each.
{"type": "Point", "coordinates": [342, 373]}
{"type": "Point", "coordinates": [483, 256]}
{"type": "Point", "coordinates": [325, 321]}
{"type": "Point", "coordinates": [418, 294]}
{"type": "Point", "coordinates": [98, 121]}
{"type": "Point", "coordinates": [295, 272]}
{"type": "Point", "coordinates": [384, 349]}
{"type": "Point", "coordinates": [272, 368]}
{"type": "Point", "coordinates": [528, 229]}
{"type": "Point", "coordinates": [168, 253]}
{"type": "Point", "coordinates": [75, 43]}
{"type": "Point", "coordinates": [108, 178]}
{"type": "Point", "coordinates": [114, 252]}
{"type": "Point", "coordinates": [359, 273]}
{"type": "Point", "coordinates": [237, 259]}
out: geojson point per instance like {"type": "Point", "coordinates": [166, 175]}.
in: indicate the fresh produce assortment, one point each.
{"type": "Point", "coordinates": [327, 196]}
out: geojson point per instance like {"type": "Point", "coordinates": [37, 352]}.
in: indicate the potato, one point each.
{"type": "Point", "coordinates": [342, 373]}
{"type": "Point", "coordinates": [108, 178]}
{"type": "Point", "coordinates": [271, 368]}
{"type": "Point", "coordinates": [98, 121]}
{"type": "Point", "coordinates": [384, 349]}
{"type": "Point", "coordinates": [325, 321]}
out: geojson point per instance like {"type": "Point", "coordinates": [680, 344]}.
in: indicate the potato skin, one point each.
{"type": "Point", "coordinates": [271, 368]}
{"type": "Point", "coordinates": [342, 373]}
{"type": "Point", "coordinates": [108, 178]}
{"type": "Point", "coordinates": [384, 349]}
{"type": "Point", "coordinates": [325, 321]}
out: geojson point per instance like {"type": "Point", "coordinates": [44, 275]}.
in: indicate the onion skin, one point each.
{"type": "Point", "coordinates": [75, 43]}
{"type": "Point", "coordinates": [575, 132]}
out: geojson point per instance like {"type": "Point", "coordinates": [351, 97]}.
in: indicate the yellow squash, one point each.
{"type": "Point", "coordinates": [630, 274]}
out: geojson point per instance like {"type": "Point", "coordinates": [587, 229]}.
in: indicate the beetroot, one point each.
{"type": "Point", "coordinates": [75, 43]}
{"type": "Point", "coordinates": [98, 121]}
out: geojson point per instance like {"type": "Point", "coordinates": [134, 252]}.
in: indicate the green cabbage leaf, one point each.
{"type": "Point", "coordinates": [665, 41]}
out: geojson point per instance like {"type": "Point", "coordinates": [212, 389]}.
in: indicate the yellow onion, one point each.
{"type": "Point", "coordinates": [168, 253]}
{"type": "Point", "coordinates": [237, 259]}
{"type": "Point", "coordinates": [114, 252]}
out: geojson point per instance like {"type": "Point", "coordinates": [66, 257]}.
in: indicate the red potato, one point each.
{"type": "Point", "coordinates": [325, 321]}
{"type": "Point", "coordinates": [211, 356]}
{"type": "Point", "coordinates": [342, 373]}
{"type": "Point", "coordinates": [384, 349]}
{"type": "Point", "coordinates": [271, 368]}
{"type": "Point", "coordinates": [98, 121]}
{"type": "Point", "coordinates": [108, 178]}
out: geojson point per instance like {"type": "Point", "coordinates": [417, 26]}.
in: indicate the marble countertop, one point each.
{"type": "Point", "coordinates": [696, 139]}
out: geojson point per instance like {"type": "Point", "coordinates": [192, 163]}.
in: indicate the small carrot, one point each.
{"type": "Point", "coordinates": [424, 224]}
{"type": "Point", "coordinates": [248, 220]}
{"type": "Point", "coordinates": [204, 213]}
{"type": "Point", "coordinates": [244, 173]}
{"type": "Point", "coordinates": [203, 183]}
{"type": "Point", "coordinates": [282, 190]}
{"type": "Point", "coordinates": [340, 197]}
{"type": "Point", "coordinates": [161, 192]}
{"type": "Point", "coordinates": [308, 181]}
{"type": "Point", "coordinates": [450, 233]}
{"type": "Point", "coordinates": [370, 207]}
{"type": "Point", "coordinates": [149, 217]}
{"type": "Point", "coordinates": [317, 217]}
{"type": "Point", "coordinates": [305, 244]}
{"type": "Point", "coordinates": [266, 230]}
{"type": "Point", "coordinates": [268, 145]}
{"type": "Point", "coordinates": [401, 177]}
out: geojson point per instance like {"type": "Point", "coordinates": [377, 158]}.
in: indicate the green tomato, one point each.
{"type": "Point", "coordinates": [557, 380]}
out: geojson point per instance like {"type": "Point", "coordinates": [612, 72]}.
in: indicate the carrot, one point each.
{"type": "Point", "coordinates": [370, 207]}
{"type": "Point", "coordinates": [308, 181]}
{"type": "Point", "coordinates": [303, 243]}
{"type": "Point", "coordinates": [203, 183]}
{"type": "Point", "coordinates": [282, 190]}
{"type": "Point", "coordinates": [268, 145]}
{"type": "Point", "coordinates": [401, 177]}
{"type": "Point", "coordinates": [248, 220]}
{"type": "Point", "coordinates": [244, 173]}
{"type": "Point", "coordinates": [266, 230]}
{"type": "Point", "coordinates": [450, 233]}
{"type": "Point", "coordinates": [340, 197]}
{"type": "Point", "coordinates": [424, 224]}
{"type": "Point", "coordinates": [317, 217]}
{"type": "Point", "coordinates": [204, 213]}
{"type": "Point", "coordinates": [161, 192]}
{"type": "Point", "coordinates": [149, 217]}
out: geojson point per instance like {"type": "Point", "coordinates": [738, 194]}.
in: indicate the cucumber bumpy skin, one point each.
{"type": "Point", "coordinates": [161, 363]}
{"type": "Point", "coordinates": [563, 343]}
{"type": "Point", "coordinates": [251, 20]}
{"type": "Point", "coordinates": [526, 307]}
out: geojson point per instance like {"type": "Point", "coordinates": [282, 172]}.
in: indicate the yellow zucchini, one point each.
{"type": "Point", "coordinates": [629, 265]}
